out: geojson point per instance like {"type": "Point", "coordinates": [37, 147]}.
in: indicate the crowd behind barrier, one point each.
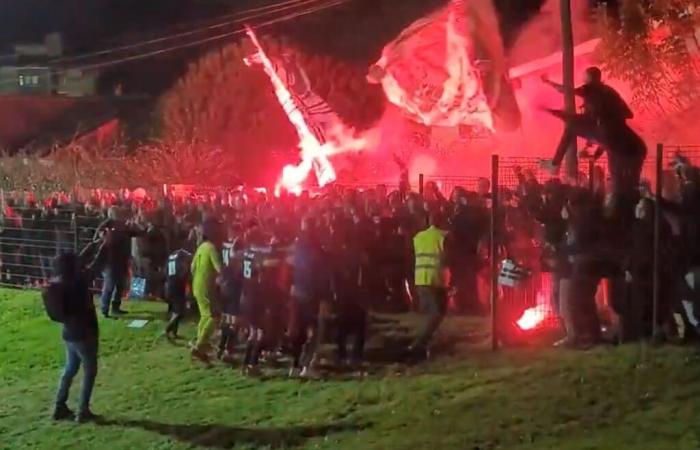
{"type": "Point", "coordinates": [527, 224]}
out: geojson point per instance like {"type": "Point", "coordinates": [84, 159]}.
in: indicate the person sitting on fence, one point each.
{"type": "Point", "coordinates": [604, 122]}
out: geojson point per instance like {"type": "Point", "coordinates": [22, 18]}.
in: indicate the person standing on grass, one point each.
{"type": "Point", "coordinates": [115, 268]}
{"type": "Point", "coordinates": [176, 284]}
{"type": "Point", "coordinates": [206, 266]}
{"type": "Point", "coordinates": [431, 284]}
{"type": "Point", "coordinates": [69, 293]}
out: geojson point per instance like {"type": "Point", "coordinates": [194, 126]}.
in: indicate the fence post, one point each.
{"type": "Point", "coordinates": [74, 225]}
{"type": "Point", "coordinates": [493, 288]}
{"type": "Point", "coordinates": [657, 238]}
{"type": "Point", "coordinates": [420, 184]}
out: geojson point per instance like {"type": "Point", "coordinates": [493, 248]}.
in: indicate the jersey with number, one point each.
{"type": "Point", "coordinates": [263, 266]}
{"type": "Point", "coordinates": [229, 251]}
{"type": "Point", "coordinates": [231, 277]}
{"type": "Point", "coordinates": [177, 271]}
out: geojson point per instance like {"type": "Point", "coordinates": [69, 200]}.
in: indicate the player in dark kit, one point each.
{"type": "Point", "coordinates": [261, 268]}
{"type": "Point", "coordinates": [231, 287]}
{"type": "Point", "coordinates": [176, 284]}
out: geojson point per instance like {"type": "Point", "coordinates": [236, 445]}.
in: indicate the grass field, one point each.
{"type": "Point", "coordinates": [153, 397]}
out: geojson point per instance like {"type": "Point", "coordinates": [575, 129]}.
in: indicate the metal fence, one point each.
{"type": "Point", "coordinates": [531, 302]}
{"type": "Point", "coordinates": [30, 240]}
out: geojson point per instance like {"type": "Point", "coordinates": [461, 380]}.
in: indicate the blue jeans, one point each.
{"type": "Point", "coordinates": [112, 289]}
{"type": "Point", "coordinates": [84, 352]}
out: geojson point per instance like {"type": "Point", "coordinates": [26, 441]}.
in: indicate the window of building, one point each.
{"type": "Point", "coordinates": [28, 80]}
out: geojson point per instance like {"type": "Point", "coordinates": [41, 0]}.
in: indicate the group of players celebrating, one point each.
{"type": "Point", "coordinates": [278, 295]}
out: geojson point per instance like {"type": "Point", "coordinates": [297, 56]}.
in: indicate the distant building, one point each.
{"type": "Point", "coordinates": [32, 69]}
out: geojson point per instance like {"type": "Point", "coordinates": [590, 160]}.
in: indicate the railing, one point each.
{"type": "Point", "coordinates": [28, 241]}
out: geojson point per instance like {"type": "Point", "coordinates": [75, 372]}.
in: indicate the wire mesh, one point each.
{"type": "Point", "coordinates": [31, 237]}
{"type": "Point", "coordinates": [533, 303]}
{"type": "Point", "coordinates": [447, 184]}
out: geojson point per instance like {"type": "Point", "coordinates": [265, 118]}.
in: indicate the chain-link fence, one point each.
{"type": "Point", "coordinates": [31, 236]}
{"type": "Point", "coordinates": [524, 290]}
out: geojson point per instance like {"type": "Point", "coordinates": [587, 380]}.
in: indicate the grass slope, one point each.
{"type": "Point", "coordinates": [153, 397]}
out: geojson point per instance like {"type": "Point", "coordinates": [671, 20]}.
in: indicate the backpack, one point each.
{"type": "Point", "coordinates": [53, 296]}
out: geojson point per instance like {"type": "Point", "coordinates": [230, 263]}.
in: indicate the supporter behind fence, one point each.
{"type": "Point", "coordinates": [562, 233]}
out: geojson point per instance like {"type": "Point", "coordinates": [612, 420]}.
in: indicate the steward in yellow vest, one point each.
{"type": "Point", "coordinates": [429, 247]}
{"type": "Point", "coordinates": [431, 283]}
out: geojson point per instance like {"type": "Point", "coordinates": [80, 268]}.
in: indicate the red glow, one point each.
{"type": "Point", "coordinates": [535, 316]}
{"type": "Point", "coordinates": [314, 155]}
{"type": "Point", "coordinates": [429, 72]}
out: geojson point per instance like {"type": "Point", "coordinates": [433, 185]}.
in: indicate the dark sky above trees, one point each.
{"type": "Point", "coordinates": [357, 33]}
{"type": "Point", "coordinates": [87, 19]}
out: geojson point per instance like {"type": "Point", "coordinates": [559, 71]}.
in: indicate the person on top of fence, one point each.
{"type": "Point", "coordinates": [604, 122]}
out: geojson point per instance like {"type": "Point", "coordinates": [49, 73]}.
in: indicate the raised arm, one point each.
{"type": "Point", "coordinates": [557, 86]}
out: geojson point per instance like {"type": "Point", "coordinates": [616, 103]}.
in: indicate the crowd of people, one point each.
{"type": "Point", "coordinates": [285, 274]}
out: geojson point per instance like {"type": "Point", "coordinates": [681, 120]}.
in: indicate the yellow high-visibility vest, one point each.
{"type": "Point", "coordinates": [429, 247]}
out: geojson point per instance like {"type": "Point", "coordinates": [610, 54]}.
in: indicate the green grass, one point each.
{"type": "Point", "coordinates": [153, 397]}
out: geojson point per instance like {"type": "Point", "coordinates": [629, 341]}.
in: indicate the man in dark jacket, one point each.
{"type": "Point", "coordinates": [604, 122]}
{"type": "Point", "coordinates": [80, 335]}
{"type": "Point", "coordinates": [115, 268]}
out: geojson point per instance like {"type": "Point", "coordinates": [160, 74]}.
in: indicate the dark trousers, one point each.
{"type": "Point", "coordinates": [304, 332]}
{"type": "Point", "coordinates": [433, 302]}
{"type": "Point", "coordinates": [625, 174]}
{"type": "Point", "coordinates": [176, 309]}
{"type": "Point", "coordinates": [351, 323]}
{"type": "Point", "coordinates": [112, 289]}
{"type": "Point", "coordinates": [229, 338]}
{"type": "Point", "coordinates": [466, 297]}
{"type": "Point", "coordinates": [556, 285]}
{"type": "Point", "coordinates": [77, 353]}
{"type": "Point", "coordinates": [578, 308]}
{"type": "Point", "coordinates": [579, 125]}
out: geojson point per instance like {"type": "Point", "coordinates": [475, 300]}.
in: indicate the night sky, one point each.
{"type": "Point", "coordinates": [98, 20]}
{"type": "Point", "coordinates": [357, 33]}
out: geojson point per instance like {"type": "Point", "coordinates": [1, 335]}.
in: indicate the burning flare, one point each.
{"type": "Point", "coordinates": [321, 132]}
{"type": "Point", "coordinates": [535, 316]}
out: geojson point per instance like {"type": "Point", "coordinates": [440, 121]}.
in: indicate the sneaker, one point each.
{"type": "Point", "coordinates": [309, 373]}
{"type": "Point", "coordinates": [62, 413]}
{"type": "Point", "coordinates": [119, 312]}
{"type": "Point", "coordinates": [86, 416]}
{"type": "Point", "coordinates": [251, 371]}
{"type": "Point", "coordinates": [294, 372]}
{"type": "Point", "coordinates": [228, 357]}
{"type": "Point", "coordinates": [565, 343]}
